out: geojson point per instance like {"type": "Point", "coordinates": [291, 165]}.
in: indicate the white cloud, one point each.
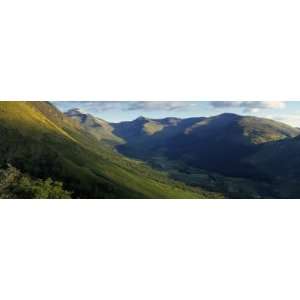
{"type": "Point", "coordinates": [102, 106]}
{"type": "Point", "coordinates": [159, 105]}
{"type": "Point", "coordinates": [249, 106]}
{"type": "Point", "coordinates": [293, 119]}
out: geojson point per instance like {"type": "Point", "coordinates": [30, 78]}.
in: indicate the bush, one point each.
{"type": "Point", "coordinates": [14, 184]}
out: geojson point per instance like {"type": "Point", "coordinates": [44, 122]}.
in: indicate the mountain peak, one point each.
{"type": "Point", "coordinates": [228, 115]}
{"type": "Point", "coordinates": [142, 118]}
{"type": "Point", "coordinates": [75, 111]}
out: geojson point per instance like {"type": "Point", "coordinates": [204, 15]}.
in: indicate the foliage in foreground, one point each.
{"type": "Point", "coordinates": [14, 184]}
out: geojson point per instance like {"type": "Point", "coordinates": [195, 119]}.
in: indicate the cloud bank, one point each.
{"type": "Point", "coordinates": [159, 105]}
{"type": "Point", "coordinates": [249, 106]}
{"type": "Point", "coordinates": [146, 106]}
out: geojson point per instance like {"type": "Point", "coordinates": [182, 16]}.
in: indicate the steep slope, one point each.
{"type": "Point", "coordinates": [279, 161]}
{"type": "Point", "coordinates": [39, 140]}
{"type": "Point", "coordinates": [97, 127]}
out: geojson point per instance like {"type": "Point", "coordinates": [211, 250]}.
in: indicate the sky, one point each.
{"type": "Point", "coordinates": [116, 111]}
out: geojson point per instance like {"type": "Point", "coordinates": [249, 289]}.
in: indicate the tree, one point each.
{"type": "Point", "coordinates": [14, 184]}
{"type": "Point", "coordinates": [8, 178]}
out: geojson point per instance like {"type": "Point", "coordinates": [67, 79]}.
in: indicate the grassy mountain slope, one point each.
{"type": "Point", "coordinates": [39, 140]}
{"type": "Point", "coordinates": [97, 127]}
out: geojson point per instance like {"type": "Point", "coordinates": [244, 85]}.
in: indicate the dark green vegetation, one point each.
{"type": "Point", "coordinates": [15, 185]}
{"type": "Point", "coordinates": [280, 162]}
{"type": "Point", "coordinates": [42, 142]}
{"type": "Point", "coordinates": [239, 156]}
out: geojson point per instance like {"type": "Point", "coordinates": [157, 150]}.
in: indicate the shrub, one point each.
{"type": "Point", "coordinates": [14, 184]}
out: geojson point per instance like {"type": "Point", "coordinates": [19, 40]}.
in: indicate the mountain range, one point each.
{"type": "Point", "coordinates": [39, 140]}
{"type": "Point", "coordinates": [227, 155]}
{"type": "Point", "coordinates": [239, 156]}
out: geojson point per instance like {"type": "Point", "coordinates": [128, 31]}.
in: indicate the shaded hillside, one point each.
{"type": "Point", "coordinates": [39, 140]}
{"type": "Point", "coordinates": [236, 155]}
{"type": "Point", "coordinates": [146, 137]}
{"type": "Point", "coordinates": [280, 162]}
{"type": "Point", "coordinates": [217, 143]}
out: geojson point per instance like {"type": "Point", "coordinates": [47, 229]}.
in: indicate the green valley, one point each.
{"type": "Point", "coordinates": [42, 142]}
{"type": "Point", "coordinates": [237, 156]}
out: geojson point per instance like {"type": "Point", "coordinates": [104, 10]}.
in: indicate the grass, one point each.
{"type": "Point", "coordinates": [39, 140]}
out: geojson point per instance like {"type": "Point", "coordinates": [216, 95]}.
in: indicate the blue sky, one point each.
{"type": "Point", "coordinates": [115, 111]}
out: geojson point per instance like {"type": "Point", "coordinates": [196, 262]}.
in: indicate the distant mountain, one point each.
{"type": "Point", "coordinates": [280, 162]}
{"type": "Point", "coordinates": [42, 142]}
{"type": "Point", "coordinates": [145, 137]}
{"type": "Point", "coordinates": [152, 127]}
{"type": "Point", "coordinates": [217, 143]}
{"type": "Point", "coordinates": [221, 143]}
{"type": "Point", "coordinates": [230, 153]}
{"type": "Point", "coordinates": [97, 127]}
